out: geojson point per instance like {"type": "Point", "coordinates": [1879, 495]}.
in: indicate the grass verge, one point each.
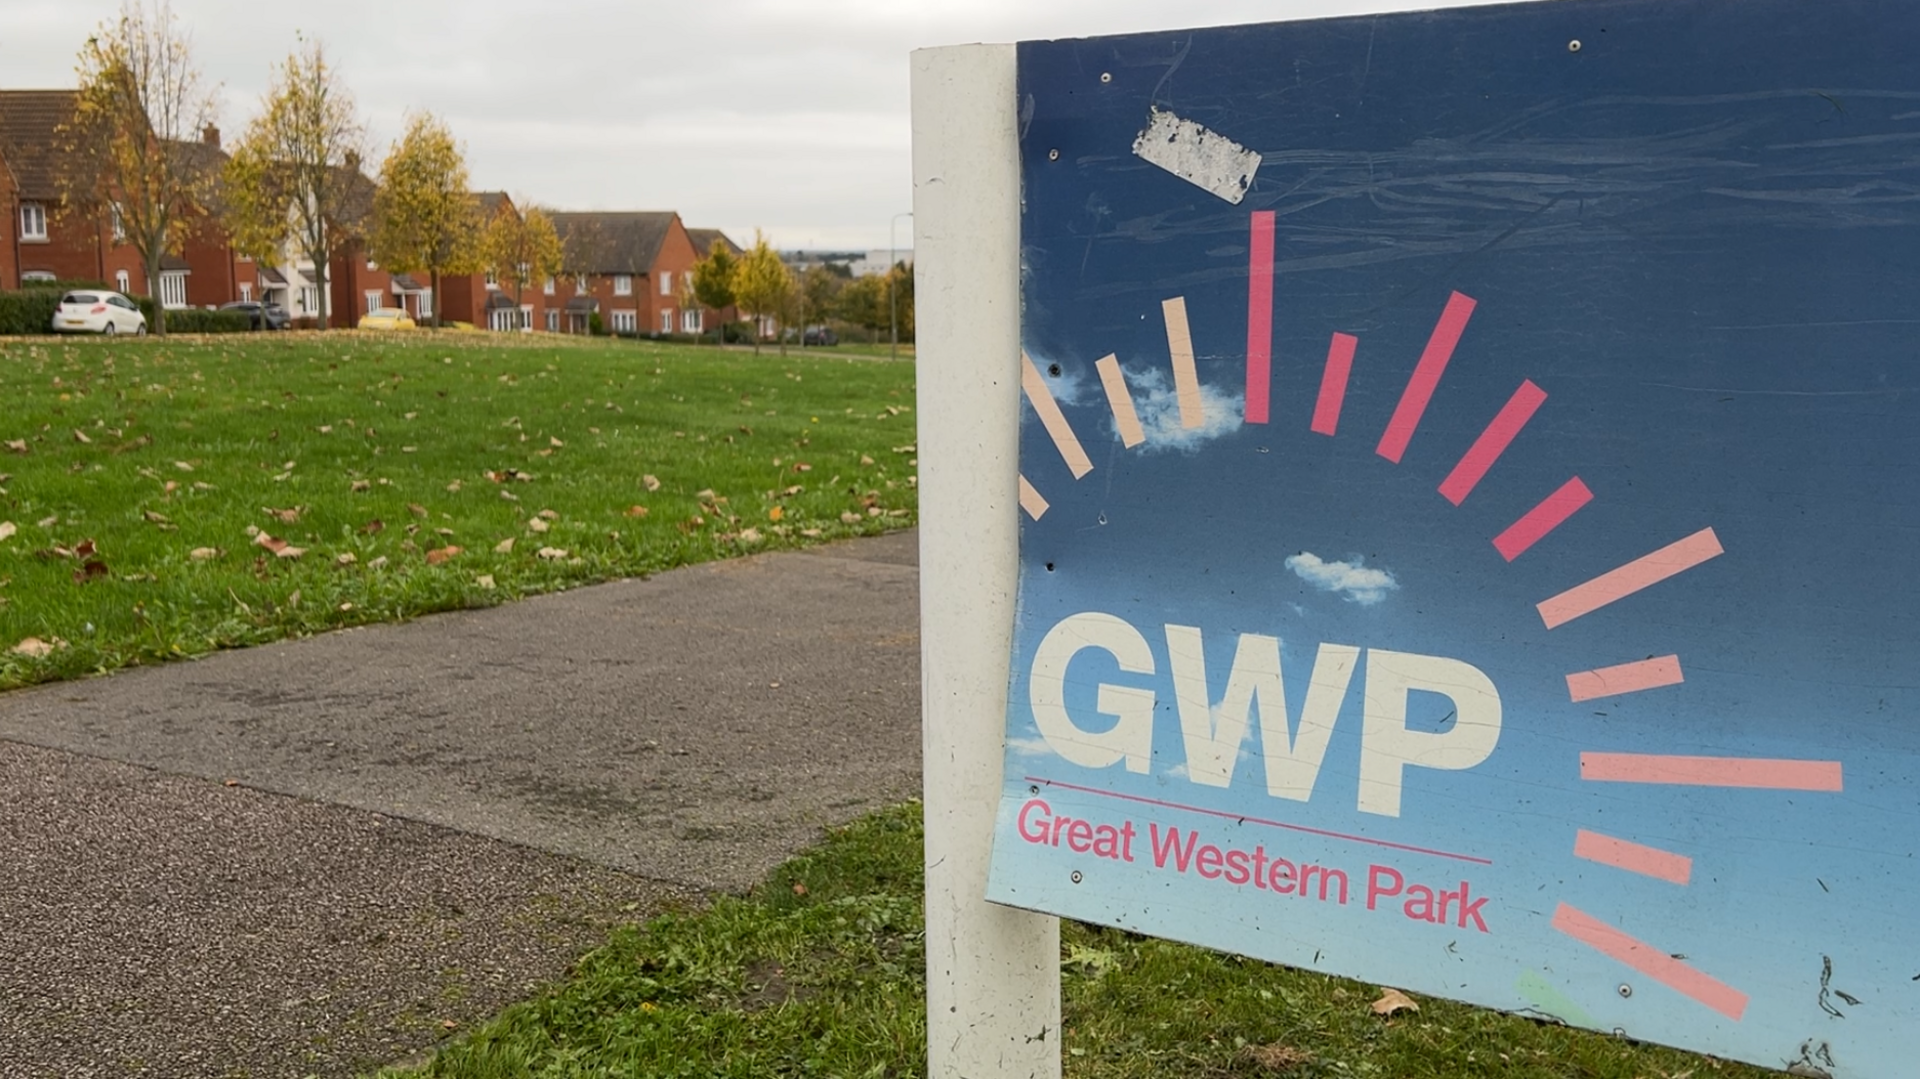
{"type": "Point", "coordinates": [820, 972]}
{"type": "Point", "coordinates": [169, 498]}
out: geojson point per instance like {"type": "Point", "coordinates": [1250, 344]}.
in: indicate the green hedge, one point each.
{"type": "Point", "coordinates": [29, 310]}
{"type": "Point", "coordinates": [197, 320]}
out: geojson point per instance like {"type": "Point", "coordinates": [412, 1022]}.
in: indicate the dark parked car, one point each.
{"type": "Point", "coordinates": [263, 316]}
{"type": "Point", "coordinates": [819, 335]}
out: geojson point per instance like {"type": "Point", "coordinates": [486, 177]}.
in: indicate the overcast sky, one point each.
{"type": "Point", "coordinates": [784, 115]}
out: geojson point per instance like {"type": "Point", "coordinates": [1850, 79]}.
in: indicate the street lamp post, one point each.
{"type": "Point", "coordinates": [893, 304]}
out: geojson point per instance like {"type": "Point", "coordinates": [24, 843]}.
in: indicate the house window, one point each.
{"type": "Point", "coordinates": [246, 293]}
{"type": "Point", "coordinates": [666, 282]}
{"type": "Point", "coordinates": [173, 289]}
{"type": "Point", "coordinates": [548, 289]}
{"type": "Point", "coordinates": [690, 320]}
{"type": "Point", "coordinates": [33, 221]}
{"type": "Point", "coordinates": [626, 321]}
{"type": "Point", "coordinates": [37, 275]}
{"type": "Point", "coordinates": [622, 284]}
{"type": "Point", "coordinates": [373, 301]}
{"type": "Point", "coordinates": [309, 299]}
{"type": "Point", "coordinates": [122, 283]}
{"type": "Point", "coordinates": [526, 316]}
{"type": "Point", "coordinates": [493, 279]}
{"type": "Point", "coordinates": [553, 317]}
{"type": "Point", "coordinates": [502, 319]}
{"type": "Point", "coordinates": [119, 225]}
{"type": "Point", "coordinates": [372, 266]}
{"type": "Point", "coordinates": [666, 321]}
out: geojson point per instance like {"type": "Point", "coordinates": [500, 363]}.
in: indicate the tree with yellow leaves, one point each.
{"type": "Point", "coordinates": [762, 286]}
{"type": "Point", "coordinates": [424, 218]}
{"type": "Point", "coordinates": [521, 246]}
{"type": "Point", "coordinates": [135, 136]}
{"type": "Point", "coordinates": [294, 177]}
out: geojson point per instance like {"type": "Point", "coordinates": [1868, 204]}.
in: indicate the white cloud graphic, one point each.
{"type": "Point", "coordinates": [1158, 405]}
{"type": "Point", "coordinates": [1030, 747]}
{"type": "Point", "coordinates": [1361, 584]}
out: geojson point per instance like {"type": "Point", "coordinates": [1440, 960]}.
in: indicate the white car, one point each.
{"type": "Point", "coordinates": [98, 312]}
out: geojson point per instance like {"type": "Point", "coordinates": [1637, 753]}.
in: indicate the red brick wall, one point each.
{"type": "Point", "coordinates": [348, 282]}
{"type": "Point", "coordinates": [212, 277]}
{"type": "Point", "coordinates": [9, 231]}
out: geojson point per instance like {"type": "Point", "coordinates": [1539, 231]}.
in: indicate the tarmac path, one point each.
{"type": "Point", "coordinates": [318, 856]}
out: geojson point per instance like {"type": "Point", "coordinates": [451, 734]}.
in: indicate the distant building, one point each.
{"type": "Point", "coordinates": [877, 262]}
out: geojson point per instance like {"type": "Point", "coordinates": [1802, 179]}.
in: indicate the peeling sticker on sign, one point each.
{"type": "Point", "coordinates": [1201, 157]}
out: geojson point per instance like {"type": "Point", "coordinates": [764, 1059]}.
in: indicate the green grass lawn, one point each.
{"type": "Point", "coordinates": [168, 498]}
{"type": "Point", "coordinates": [820, 972]}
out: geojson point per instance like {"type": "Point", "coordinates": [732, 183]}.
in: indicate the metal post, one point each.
{"type": "Point", "coordinates": [893, 304]}
{"type": "Point", "coordinates": [993, 973]}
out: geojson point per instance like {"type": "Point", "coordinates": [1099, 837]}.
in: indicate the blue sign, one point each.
{"type": "Point", "coordinates": [1471, 486]}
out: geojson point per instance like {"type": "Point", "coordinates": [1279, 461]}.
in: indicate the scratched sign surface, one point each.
{"type": "Point", "coordinates": [1471, 490]}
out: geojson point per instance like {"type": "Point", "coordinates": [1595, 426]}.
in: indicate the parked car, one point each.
{"type": "Point", "coordinates": [98, 312]}
{"type": "Point", "coordinates": [262, 316]}
{"type": "Point", "coordinates": [386, 318]}
{"type": "Point", "coordinates": [819, 335]}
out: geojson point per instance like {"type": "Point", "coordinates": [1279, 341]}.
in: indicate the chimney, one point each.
{"type": "Point", "coordinates": [352, 161]}
{"type": "Point", "coordinates": [211, 136]}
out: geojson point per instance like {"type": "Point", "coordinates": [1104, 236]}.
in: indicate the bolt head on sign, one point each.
{"type": "Point", "coordinates": [1464, 463]}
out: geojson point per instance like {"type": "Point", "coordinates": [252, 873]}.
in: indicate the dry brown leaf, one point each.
{"type": "Point", "coordinates": [156, 518]}
{"type": "Point", "coordinates": [1393, 1000]}
{"type": "Point", "coordinates": [454, 486]}
{"type": "Point", "coordinates": [286, 516]}
{"type": "Point", "coordinates": [7, 529]}
{"type": "Point", "coordinates": [649, 482]}
{"type": "Point", "coordinates": [18, 445]}
{"type": "Point", "coordinates": [552, 554]}
{"type": "Point", "coordinates": [848, 517]}
{"type": "Point", "coordinates": [416, 509]}
{"type": "Point", "coordinates": [706, 495]}
{"type": "Point", "coordinates": [865, 460]}
{"type": "Point", "coordinates": [632, 511]}
{"type": "Point", "coordinates": [204, 554]}
{"type": "Point", "coordinates": [505, 546]}
{"type": "Point", "coordinates": [48, 522]}
{"type": "Point", "coordinates": [549, 515]}
{"type": "Point", "coordinates": [92, 569]}
{"type": "Point", "coordinates": [373, 526]}
{"type": "Point", "coordinates": [750, 535]}
{"type": "Point", "coordinates": [183, 466]}
{"type": "Point", "coordinates": [776, 513]}
{"type": "Point", "coordinates": [362, 485]}
{"type": "Point", "coordinates": [81, 437]}
{"type": "Point", "coordinates": [345, 558]}
{"type": "Point", "coordinates": [83, 549]}
{"type": "Point", "coordinates": [1276, 1057]}
{"type": "Point", "coordinates": [378, 562]}
{"type": "Point", "coordinates": [554, 442]}
{"type": "Point", "coordinates": [536, 524]}
{"type": "Point", "coordinates": [440, 555]}
{"type": "Point", "coordinates": [811, 533]}
{"type": "Point", "coordinates": [802, 466]}
{"type": "Point", "coordinates": [35, 648]}
{"type": "Point", "coordinates": [485, 580]}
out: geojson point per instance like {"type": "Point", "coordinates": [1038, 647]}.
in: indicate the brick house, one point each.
{"type": "Point", "coordinates": [627, 267]}
{"type": "Point", "coordinates": [483, 299]}
{"type": "Point", "coordinates": [50, 237]}
{"type": "Point", "coordinates": [703, 241]}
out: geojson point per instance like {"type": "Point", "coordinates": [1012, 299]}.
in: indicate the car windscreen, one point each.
{"type": "Point", "coordinates": [79, 297]}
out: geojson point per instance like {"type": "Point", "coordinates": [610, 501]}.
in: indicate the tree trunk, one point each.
{"type": "Point", "coordinates": [433, 283]}
{"type": "Point", "coordinates": [153, 290]}
{"type": "Point", "coordinates": [320, 283]}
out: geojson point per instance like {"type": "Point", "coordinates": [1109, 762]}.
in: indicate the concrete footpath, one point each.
{"type": "Point", "coordinates": [315, 857]}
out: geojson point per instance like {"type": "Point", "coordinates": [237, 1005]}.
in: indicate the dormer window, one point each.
{"type": "Point", "coordinates": [493, 279]}
{"type": "Point", "coordinates": [33, 221]}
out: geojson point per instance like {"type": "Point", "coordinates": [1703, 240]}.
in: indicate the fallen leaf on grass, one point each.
{"type": "Point", "coordinates": [373, 526]}
{"type": "Point", "coordinates": [776, 513]}
{"type": "Point", "coordinates": [802, 466]}
{"type": "Point", "coordinates": [35, 648]}
{"type": "Point", "coordinates": [549, 515]}
{"type": "Point", "coordinates": [81, 437]}
{"type": "Point", "coordinates": [552, 554]}
{"type": "Point", "coordinates": [7, 530]}
{"type": "Point", "coordinates": [279, 548]}
{"type": "Point", "coordinates": [848, 517]}
{"type": "Point", "coordinates": [156, 518]}
{"type": "Point", "coordinates": [92, 569]}
{"type": "Point", "coordinates": [750, 535]}
{"type": "Point", "coordinates": [799, 888]}
{"type": "Point", "coordinates": [509, 496]}
{"type": "Point", "coordinates": [649, 482]}
{"type": "Point", "coordinates": [811, 533]}
{"type": "Point", "coordinates": [440, 555]}
{"type": "Point", "coordinates": [416, 509]}
{"type": "Point", "coordinates": [18, 445]}
{"type": "Point", "coordinates": [454, 486]}
{"type": "Point", "coordinates": [183, 466]}
{"type": "Point", "coordinates": [83, 549]}
{"type": "Point", "coordinates": [378, 562]}
{"type": "Point", "coordinates": [485, 580]}
{"type": "Point", "coordinates": [286, 516]}
{"type": "Point", "coordinates": [505, 546]}
{"type": "Point", "coordinates": [204, 554]}
{"type": "Point", "coordinates": [536, 524]}
{"type": "Point", "coordinates": [48, 522]}
{"type": "Point", "coordinates": [554, 442]}
{"type": "Point", "coordinates": [1276, 1057]}
{"type": "Point", "coordinates": [345, 558]}
{"type": "Point", "coordinates": [632, 511]}
{"type": "Point", "coordinates": [1393, 1000]}
{"type": "Point", "coordinates": [865, 460]}
{"type": "Point", "coordinates": [362, 485]}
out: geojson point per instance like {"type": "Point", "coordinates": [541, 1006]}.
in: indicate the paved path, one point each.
{"type": "Point", "coordinates": [310, 857]}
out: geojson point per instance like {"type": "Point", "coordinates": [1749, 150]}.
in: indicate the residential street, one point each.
{"type": "Point", "coordinates": [313, 857]}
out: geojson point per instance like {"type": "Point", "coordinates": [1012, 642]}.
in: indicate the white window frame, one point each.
{"type": "Point", "coordinates": [119, 224]}
{"type": "Point", "coordinates": [246, 293]}
{"type": "Point", "coordinates": [624, 321]}
{"type": "Point", "coordinates": [309, 300]}
{"type": "Point", "coordinates": [37, 276]}
{"type": "Point", "coordinates": [374, 296]}
{"type": "Point", "coordinates": [692, 320]}
{"type": "Point", "coordinates": [122, 282]}
{"type": "Point", "coordinates": [549, 286]}
{"type": "Point", "coordinates": [33, 221]}
{"type": "Point", "coordinates": [666, 282]}
{"type": "Point", "coordinates": [173, 289]}
{"type": "Point", "coordinates": [553, 320]}
{"type": "Point", "coordinates": [493, 279]}
{"type": "Point", "coordinates": [526, 317]}
{"type": "Point", "coordinates": [666, 320]}
{"type": "Point", "coordinates": [622, 284]}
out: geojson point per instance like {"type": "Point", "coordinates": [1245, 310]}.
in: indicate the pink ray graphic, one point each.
{"type": "Point", "coordinates": [1633, 857]}
{"type": "Point", "coordinates": [1055, 421]}
{"type": "Point", "coordinates": [1625, 678]}
{"type": "Point", "coordinates": [1125, 419]}
{"type": "Point", "coordinates": [1651, 961]}
{"type": "Point", "coordinates": [1778, 775]}
{"type": "Point", "coordinates": [1426, 377]}
{"type": "Point", "coordinates": [1259, 316]}
{"type": "Point", "coordinates": [1642, 572]}
{"type": "Point", "coordinates": [1031, 501]}
{"type": "Point", "coordinates": [1492, 442]}
{"type": "Point", "coordinates": [1333, 384]}
{"type": "Point", "coordinates": [1550, 514]}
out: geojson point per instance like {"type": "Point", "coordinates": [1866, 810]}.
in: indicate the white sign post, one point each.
{"type": "Point", "coordinates": [993, 973]}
